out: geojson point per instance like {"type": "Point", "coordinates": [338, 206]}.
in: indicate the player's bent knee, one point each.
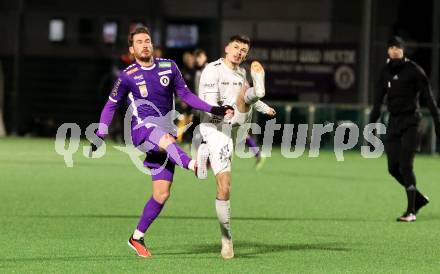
{"type": "Point", "coordinates": [162, 197]}
{"type": "Point", "coordinates": [166, 140]}
{"type": "Point", "coordinates": [240, 118]}
{"type": "Point", "coordinates": [225, 188]}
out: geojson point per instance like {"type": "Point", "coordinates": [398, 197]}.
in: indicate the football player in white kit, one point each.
{"type": "Point", "coordinates": [223, 82]}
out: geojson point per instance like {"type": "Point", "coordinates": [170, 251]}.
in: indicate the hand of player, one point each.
{"type": "Point", "coordinates": [95, 145]}
{"type": "Point", "coordinates": [271, 112]}
{"type": "Point", "coordinates": [225, 110]}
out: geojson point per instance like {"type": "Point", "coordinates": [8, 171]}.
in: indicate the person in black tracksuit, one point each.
{"type": "Point", "coordinates": [402, 81]}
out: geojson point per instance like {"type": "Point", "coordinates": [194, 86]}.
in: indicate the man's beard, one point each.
{"type": "Point", "coordinates": [144, 58]}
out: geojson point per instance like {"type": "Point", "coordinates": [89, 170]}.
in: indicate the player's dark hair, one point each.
{"type": "Point", "coordinates": [240, 38]}
{"type": "Point", "coordinates": [396, 41]}
{"type": "Point", "coordinates": [137, 31]}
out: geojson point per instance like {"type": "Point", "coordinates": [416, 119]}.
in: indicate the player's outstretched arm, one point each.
{"type": "Point", "coordinates": [197, 103]}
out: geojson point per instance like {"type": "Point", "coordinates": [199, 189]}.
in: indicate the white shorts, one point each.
{"type": "Point", "coordinates": [221, 149]}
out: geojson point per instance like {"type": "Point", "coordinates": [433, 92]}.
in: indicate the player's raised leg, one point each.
{"type": "Point", "coordinates": [160, 141]}
{"type": "Point", "coordinates": [249, 96]}
{"type": "Point", "coordinates": [257, 74]}
{"type": "Point", "coordinates": [202, 161]}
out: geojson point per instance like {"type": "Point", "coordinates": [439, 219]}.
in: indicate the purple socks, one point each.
{"type": "Point", "coordinates": [250, 142]}
{"type": "Point", "coordinates": [150, 213]}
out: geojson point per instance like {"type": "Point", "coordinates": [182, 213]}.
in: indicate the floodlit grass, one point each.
{"type": "Point", "coordinates": [306, 215]}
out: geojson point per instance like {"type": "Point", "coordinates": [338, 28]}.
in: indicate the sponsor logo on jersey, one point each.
{"type": "Point", "coordinates": [131, 71]}
{"type": "Point", "coordinates": [115, 87]}
{"type": "Point", "coordinates": [138, 77]}
{"type": "Point", "coordinates": [143, 90]}
{"type": "Point", "coordinates": [164, 64]}
{"type": "Point", "coordinates": [164, 81]}
{"type": "Point", "coordinates": [165, 72]}
{"type": "Point", "coordinates": [141, 83]}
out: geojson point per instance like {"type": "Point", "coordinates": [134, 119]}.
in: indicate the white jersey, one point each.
{"type": "Point", "coordinates": [220, 85]}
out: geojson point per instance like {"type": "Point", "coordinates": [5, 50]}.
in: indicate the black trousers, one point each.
{"type": "Point", "coordinates": [403, 139]}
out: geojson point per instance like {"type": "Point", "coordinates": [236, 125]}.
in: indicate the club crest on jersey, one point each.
{"type": "Point", "coordinates": [164, 64]}
{"type": "Point", "coordinates": [143, 90]}
{"type": "Point", "coordinates": [164, 81]}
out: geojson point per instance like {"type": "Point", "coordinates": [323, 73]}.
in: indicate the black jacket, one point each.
{"type": "Point", "coordinates": [402, 84]}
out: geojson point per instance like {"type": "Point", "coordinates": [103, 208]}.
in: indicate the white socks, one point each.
{"type": "Point", "coordinates": [137, 234]}
{"type": "Point", "coordinates": [223, 209]}
{"type": "Point", "coordinates": [250, 97]}
{"type": "Point", "coordinates": [192, 164]}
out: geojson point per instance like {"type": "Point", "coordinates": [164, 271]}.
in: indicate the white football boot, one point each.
{"type": "Point", "coordinates": [201, 169]}
{"type": "Point", "coordinates": [227, 248]}
{"type": "Point", "coordinates": [257, 74]}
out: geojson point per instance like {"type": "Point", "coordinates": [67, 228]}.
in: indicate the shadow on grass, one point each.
{"type": "Point", "coordinates": [238, 218]}
{"type": "Point", "coordinates": [250, 249]}
{"type": "Point", "coordinates": [243, 250]}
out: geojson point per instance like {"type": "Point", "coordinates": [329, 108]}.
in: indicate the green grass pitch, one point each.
{"type": "Point", "coordinates": [306, 215]}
